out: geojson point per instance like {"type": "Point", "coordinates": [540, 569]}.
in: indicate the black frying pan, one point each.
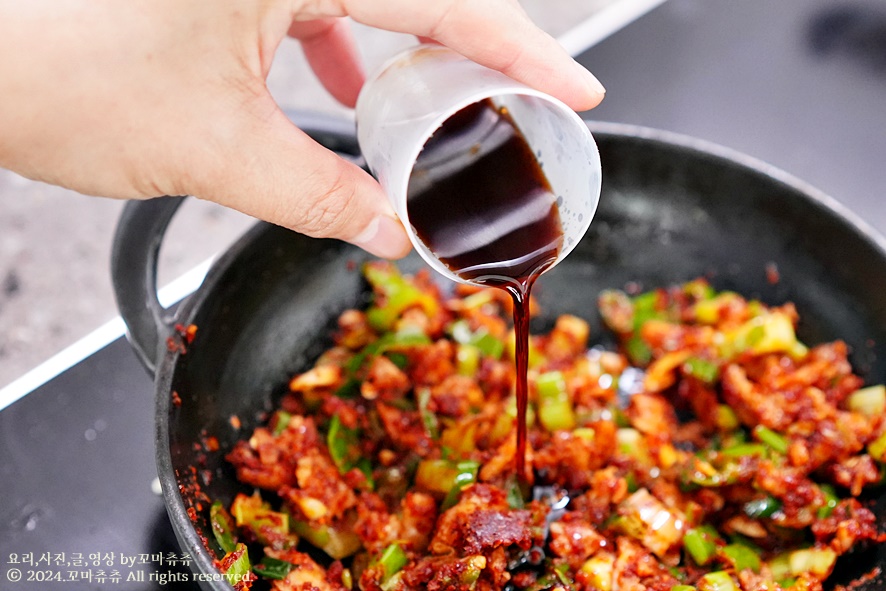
{"type": "Point", "coordinates": [672, 209]}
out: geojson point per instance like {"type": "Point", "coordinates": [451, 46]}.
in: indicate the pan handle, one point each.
{"type": "Point", "coordinates": [140, 233]}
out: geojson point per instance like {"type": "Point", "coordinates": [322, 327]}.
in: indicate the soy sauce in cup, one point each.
{"type": "Point", "coordinates": [479, 200]}
{"type": "Point", "coordinates": [495, 182]}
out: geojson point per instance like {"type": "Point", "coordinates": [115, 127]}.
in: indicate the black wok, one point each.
{"type": "Point", "coordinates": [672, 209]}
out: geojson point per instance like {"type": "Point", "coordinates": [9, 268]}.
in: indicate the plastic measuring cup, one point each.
{"type": "Point", "coordinates": [410, 97]}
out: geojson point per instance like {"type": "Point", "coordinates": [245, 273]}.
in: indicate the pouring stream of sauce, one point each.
{"type": "Point", "coordinates": [479, 200]}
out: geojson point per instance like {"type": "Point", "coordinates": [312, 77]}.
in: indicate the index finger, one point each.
{"type": "Point", "coordinates": [495, 33]}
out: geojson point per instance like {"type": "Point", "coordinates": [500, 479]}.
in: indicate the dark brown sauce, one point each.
{"type": "Point", "coordinates": [479, 200]}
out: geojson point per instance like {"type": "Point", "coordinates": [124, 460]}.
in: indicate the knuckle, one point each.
{"type": "Point", "coordinates": [327, 212]}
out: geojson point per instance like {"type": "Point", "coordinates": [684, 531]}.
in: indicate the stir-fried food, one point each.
{"type": "Point", "coordinates": [713, 452]}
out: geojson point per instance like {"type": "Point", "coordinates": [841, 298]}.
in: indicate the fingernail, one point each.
{"type": "Point", "coordinates": [593, 85]}
{"type": "Point", "coordinates": [384, 237]}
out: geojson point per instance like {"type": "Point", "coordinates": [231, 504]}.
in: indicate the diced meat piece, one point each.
{"type": "Point", "coordinates": [443, 573]}
{"type": "Point", "coordinates": [327, 377]}
{"type": "Point", "coordinates": [800, 496]}
{"type": "Point", "coordinates": [702, 399]}
{"type": "Point", "coordinates": [638, 570]}
{"type": "Point", "coordinates": [432, 364]}
{"type": "Point", "coordinates": [567, 340]}
{"type": "Point", "coordinates": [662, 373]}
{"type": "Point", "coordinates": [568, 459]}
{"type": "Point", "coordinates": [481, 521]}
{"type": "Point", "coordinates": [270, 462]}
{"type": "Point", "coordinates": [456, 396]}
{"type": "Point", "coordinates": [419, 515]}
{"type": "Point", "coordinates": [375, 526]}
{"type": "Point", "coordinates": [750, 405]}
{"type": "Point", "coordinates": [384, 380]}
{"type": "Point", "coordinates": [321, 494]}
{"type": "Point", "coordinates": [575, 539]}
{"type": "Point", "coordinates": [657, 527]}
{"type": "Point", "coordinates": [652, 414]}
{"type": "Point", "coordinates": [306, 575]}
{"type": "Point", "coordinates": [846, 525]}
{"type": "Point", "coordinates": [499, 468]}
{"type": "Point", "coordinates": [354, 331]}
{"type": "Point", "coordinates": [855, 472]}
{"type": "Point", "coordinates": [405, 429]}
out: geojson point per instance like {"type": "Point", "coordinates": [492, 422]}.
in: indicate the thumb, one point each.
{"type": "Point", "coordinates": [276, 172]}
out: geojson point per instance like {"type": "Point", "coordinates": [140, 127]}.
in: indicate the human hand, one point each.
{"type": "Point", "coordinates": [167, 97]}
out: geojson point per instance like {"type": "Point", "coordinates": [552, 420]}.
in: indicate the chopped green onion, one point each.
{"type": "Point", "coordinates": [701, 543]}
{"type": "Point", "coordinates": [461, 332]}
{"type": "Point", "coordinates": [683, 588]}
{"type": "Point", "coordinates": [638, 351]}
{"type": "Point", "coordinates": [631, 443]}
{"type": "Point", "coordinates": [599, 569]}
{"type": "Point", "coordinates": [877, 448]}
{"type": "Point", "coordinates": [818, 561]}
{"type": "Point", "coordinates": [341, 442]}
{"type": "Point", "coordinates": [741, 557]}
{"type": "Point", "coordinates": [744, 450]}
{"type": "Point", "coordinates": [717, 581]}
{"type": "Point", "coordinates": [474, 566]}
{"type": "Point", "coordinates": [392, 560]}
{"type": "Point", "coordinates": [774, 440]}
{"type": "Point", "coordinates": [280, 421]}
{"type": "Point", "coordinates": [272, 568]}
{"type": "Point", "coordinates": [870, 401]}
{"type": "Point", "coordinates": [428, 418]}
{"type": "Point", "coordinates": [349, 390]}
{"type": "Point", "coordinates": [515, 495]}
{"type": "Point", "coordinates": [401, 360]}
{"type": "Point", "coordinates": [271, 528]}
{"type": "Point", "coordinates": [758, 508]}
{"type": "Point", "coordinates": [488, 344]}
{"type": "Point", "coordinates": [586, 433]}
{"type": "Point", "coordinates": [830, 501]}
{"type": "Point", "coordinates": [337, 542]}
{"type": "Point", "coordinates": [631, 482]}
{"type": "Point", "coordinates": [708, 311]}
{"type": "Point", "coordinates": [771, 332]}
{"type": "Point", "coordinates": [467, 475]}
{"type": "Point", "coordinates": [485, 342]}
{"type": "Point", "coordinates": [704, 370]}
{"type": "Point", "coordinates": [699, 289]}
{"type": "Point", "coordinates": [223, 527]}
{"type": "Point", "coordinates": [726, 418]}
{"type": "Point", "coordinates": [560, 571]}
{"type": "Point", "coordinates": [398, 294]}
{"type": "Point", "coordinates": [239, 567]}
{"type": "Point", "coordinates": [646, 308]}
{"type": "Point", "coordinates": [440, 476]}
{"type": "Point", "coordinates": [554, 405]}
{"type": "Point", "coordinates": [479, 299]}
{"type": "Point", "coordinates": [467, 359]}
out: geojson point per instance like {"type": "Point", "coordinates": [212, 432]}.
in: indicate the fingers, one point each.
{"type": "Point", "coordinates": [495, 33]}
{"type": "Point", "coordinates": [275, 172]}
{"type": "Point", "coordinates": [332, 53]}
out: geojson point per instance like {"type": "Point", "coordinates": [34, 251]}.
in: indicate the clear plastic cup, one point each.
{"type": "Point", "coordinates": [411, 96]}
